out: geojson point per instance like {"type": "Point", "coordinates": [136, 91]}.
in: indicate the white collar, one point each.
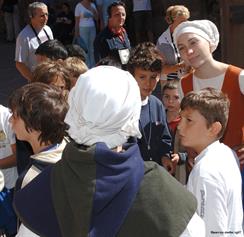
{"type": "Point", "coordinates": [210, 147]}
{"type": "Point", "coordinates": [144, 102]}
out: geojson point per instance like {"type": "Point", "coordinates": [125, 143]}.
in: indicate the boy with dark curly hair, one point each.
{"type": "Point", "coordinates": [145, 64]}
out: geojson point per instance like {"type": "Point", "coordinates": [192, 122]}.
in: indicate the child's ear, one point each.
{"type": "Point", "coordinates": [215, 128]}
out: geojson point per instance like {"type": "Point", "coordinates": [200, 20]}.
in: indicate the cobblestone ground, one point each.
{"type": "Point", "coordinates": [10, 79]}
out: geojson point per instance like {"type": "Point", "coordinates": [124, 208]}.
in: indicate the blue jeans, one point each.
{"type": "Point", "coordinates": [88, 34]}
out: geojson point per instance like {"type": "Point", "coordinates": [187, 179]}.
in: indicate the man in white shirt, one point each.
{"type": "Point", "coordinates": [30, 38]}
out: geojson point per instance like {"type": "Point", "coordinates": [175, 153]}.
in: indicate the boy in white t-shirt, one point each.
{"type": "Point", "coordinates": [215, 179]}
{"type": "Point", "coordinates": [9, 170]}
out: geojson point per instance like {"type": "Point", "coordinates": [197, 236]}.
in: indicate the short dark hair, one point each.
{"type": "Point", "coordinates": [114, 4]}
{"type": "Point", "coordinates": [212, 104]}
{"type": "Point", "coordinates": [145, 56]}
{"type": "Point", "coordinates": [74, 50]}
{"type": "Point", "coordinates": [43, 108]}
{"type": "Point", "coordinates": [53, 49]}
{"type": "Point", "coordinates": [110, 61]}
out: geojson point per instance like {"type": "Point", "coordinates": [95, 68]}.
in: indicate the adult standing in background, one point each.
{"type": "Point", "coordinates": [85, 26]}
{"type": "Point", "coordinates": [64, 24]}
{"type": "Point", "coordinates": [31, 37]}
{"type": "Point", "coordinates": [10, 10]}
{"type": "Point", "coordinates": [142, 16]}
{"type": "Point", "coordinates": [113, 41]}
{"type": "Point", "coordinates": [173, 66]}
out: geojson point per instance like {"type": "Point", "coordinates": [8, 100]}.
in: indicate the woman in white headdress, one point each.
{"type": "Point", "coordinates": [196, 41]}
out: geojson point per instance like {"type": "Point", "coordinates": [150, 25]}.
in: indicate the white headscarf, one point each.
{"type": "Point", "coordinates": [105, 107]}
{"type": "Point", "coordinates": [1, 181]}
{"type": "Point", "coordinates": [205, 28]}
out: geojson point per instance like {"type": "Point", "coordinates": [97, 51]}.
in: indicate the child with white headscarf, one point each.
{"type": "Point", "coordinates": [101, 186]}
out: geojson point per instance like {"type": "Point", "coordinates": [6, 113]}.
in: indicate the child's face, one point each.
{"type": "Point", "coordinates": [18, 126]}
{"type": "Point", "coordinates": [171, 100]}
{"type": "Point", "coordinates": [59, 82]}
{"type": "Point", "coordinates": [193, 130]}
{"type": "Point", "coordinates": [146, 80]}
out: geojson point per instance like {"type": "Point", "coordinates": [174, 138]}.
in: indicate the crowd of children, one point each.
{"type": "Point", "coordinates": [100, 144]}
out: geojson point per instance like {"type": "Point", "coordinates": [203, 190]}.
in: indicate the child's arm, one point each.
{"type": "Point", "coordinates": [9, 161]}
{"type": "Point", "coordinates": [168, 164]}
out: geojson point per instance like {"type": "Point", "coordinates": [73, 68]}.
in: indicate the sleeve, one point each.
{"type": "Point", "coordinates": [22, 49]}
{"type": "Point", "coordinates": [1, 181]}
{"type": "Point", "coordinates": [94, 7]}
{"type": "Point", "coordinates": [241, 81]}
{"type": "Point", "coordinates": [212, 205]}
{"type": "Point", "coordinates": [77, 10]}
{"type": "Point", "coordinates": [7, 126]}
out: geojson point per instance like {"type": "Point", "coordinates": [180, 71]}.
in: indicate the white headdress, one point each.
{"type": "Point", "coordinates": [105, 107]}
{"type": "Point", "coordinates": [205, 28]}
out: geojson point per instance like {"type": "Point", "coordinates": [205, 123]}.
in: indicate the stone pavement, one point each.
{"type": "Point", "coordinates": [10, 79]}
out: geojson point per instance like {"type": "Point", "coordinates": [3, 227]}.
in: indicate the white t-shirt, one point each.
{"type": "Point", "coordinates": [1, 181]}
{"type": "Point", "coordinates": [166, 47]}
{"type": "Point", "coordinates": [214, 82]}
{"type": "Point", "coordinates": [142, 5]}
{"type": "Point", "coordinates": [215, 180]}
{"type": "Point", "coordinates": [86, 16]}
{"type": "Point", "coordinates": [7, 138]}
{"type": "Point", "coordinates": [27, 43]}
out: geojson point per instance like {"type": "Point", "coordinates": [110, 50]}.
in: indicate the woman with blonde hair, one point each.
{"type": "Point", "coordinates": [173, 67]}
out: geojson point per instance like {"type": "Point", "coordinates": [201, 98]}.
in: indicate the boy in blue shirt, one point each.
{"type": "Point", "coordinates": [145, 64]}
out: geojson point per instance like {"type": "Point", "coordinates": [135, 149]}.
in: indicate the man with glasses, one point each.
{"type": "Point", "coordinates": [35, 33]}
